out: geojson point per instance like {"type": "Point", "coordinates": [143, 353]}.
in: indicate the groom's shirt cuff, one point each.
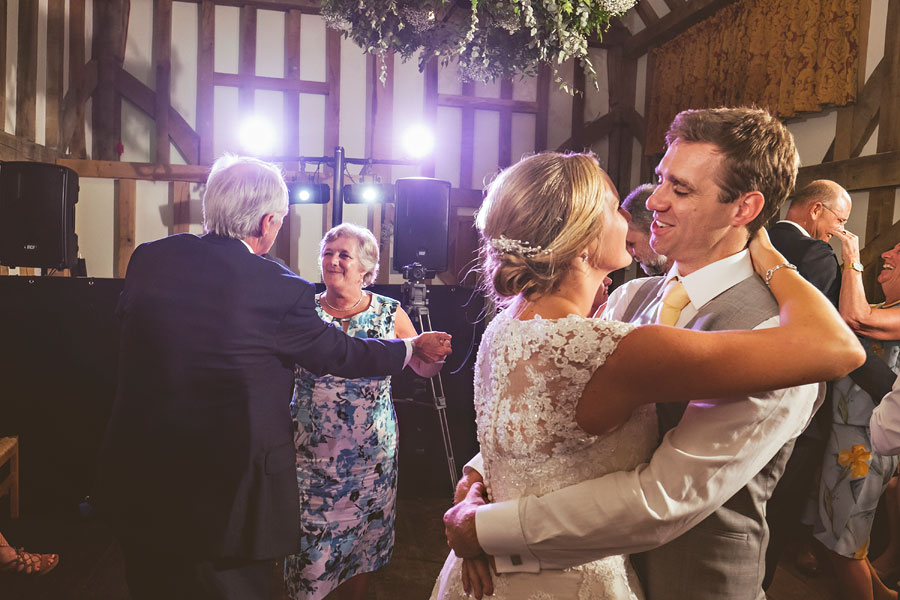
{"type": "Point", "coordinates": [501, 536]}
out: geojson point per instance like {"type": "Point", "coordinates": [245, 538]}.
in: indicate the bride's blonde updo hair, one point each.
{"type": "Point", "coordinates": [538, 215]}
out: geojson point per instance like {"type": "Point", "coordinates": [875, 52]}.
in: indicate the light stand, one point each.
{"type": "Point", "coordinates": [414, 298]}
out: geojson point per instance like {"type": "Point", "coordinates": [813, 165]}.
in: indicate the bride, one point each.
{"type": "Point", "coordinates": [551, 231]}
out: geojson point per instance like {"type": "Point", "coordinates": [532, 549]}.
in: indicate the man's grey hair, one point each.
{"type": "Point", "coordinates": [365, 241]}
{"type": "Point", "coordinates": [240, 191]}
{"type": "Point", "coordinates": [635, 204]}
{"type": "Point", "coordinates": [821, 190]}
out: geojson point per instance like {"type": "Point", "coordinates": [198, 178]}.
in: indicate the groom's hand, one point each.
{"type": "Point", "coordinates": [459, 523]}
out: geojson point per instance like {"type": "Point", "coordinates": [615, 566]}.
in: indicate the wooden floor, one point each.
{"type": "Point", "coordinates": [91, 564]}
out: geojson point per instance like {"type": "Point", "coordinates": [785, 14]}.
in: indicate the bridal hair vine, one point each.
{"type": "Point", "coordinates": [505, 245]}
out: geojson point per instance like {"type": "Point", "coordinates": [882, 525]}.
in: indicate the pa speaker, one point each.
{"type": "Point", "coordinates": [421, 223]}
{"type": "Point", "coordinates": [37, 215]}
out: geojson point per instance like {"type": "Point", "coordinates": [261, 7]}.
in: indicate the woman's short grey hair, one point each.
{"type": "Point", "coordinates": [239, 191]}
{"type": "Point", "coordinates": [365, 241]}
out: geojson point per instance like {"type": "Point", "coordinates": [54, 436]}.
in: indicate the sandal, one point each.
{"type": "Point", "coordinates": [30, 563]}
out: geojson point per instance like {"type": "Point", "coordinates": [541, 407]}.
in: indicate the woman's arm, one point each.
{"type": "Point", "coordinates": [665, 364]}
{"type": "Point", "coordinates": [881, 324]}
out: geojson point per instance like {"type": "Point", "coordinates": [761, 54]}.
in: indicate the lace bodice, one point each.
{"type": "Point", "coordinates": [528, 379]}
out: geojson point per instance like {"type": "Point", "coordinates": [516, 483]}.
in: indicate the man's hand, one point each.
{"type": "Point", "coordinates": [459, 523]}
{"type": "Point", "coordinates": [431, 346]}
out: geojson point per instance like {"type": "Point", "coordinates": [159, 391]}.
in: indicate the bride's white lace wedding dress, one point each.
{"type": "Point", "coordinates": [528, 378]}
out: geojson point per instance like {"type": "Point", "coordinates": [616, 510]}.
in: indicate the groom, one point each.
{"type": "Point", "coordinates": [700, 502]}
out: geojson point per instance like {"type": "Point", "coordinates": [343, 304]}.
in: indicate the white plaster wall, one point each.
{"type": "Point", "coordinates": [94, 219]}
{"type": "Point", "coordinates": [813, 135]}
{"type": "Point", "coordinates": [227, 28]}
{"type": "Point", "coordinates": [408, 110]}
{"type": "Point", "coordinates": [640, 92]}
{"type": "Point", "coordinates": [486, 153]}
{"type": "Point", "coordinates": [183, 92]}
{"type": "Point", "coordinates": [12, 53]}
{"type": "Point", "coordinates": [139, 43]}
{"type": "Point", "coordinates": [153, 211]}
{"type": "Point", "coordinates": [448, 141]}
{"type": "Point", "coordinates": [270, 43]}
{"type": "Point", "coordinates": [559, 117]}
{"type": "Point", "coordinates": [40, 115]}
{"type": "Point", "coordinates": [138, 134]}
{"type": "Point", "coordinates": [523, 125]}
{"type": "Point", "coordinates": [596, 100]}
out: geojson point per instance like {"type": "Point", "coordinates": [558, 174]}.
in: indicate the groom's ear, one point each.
{"type": "Point", "coordinates": [747, 207]}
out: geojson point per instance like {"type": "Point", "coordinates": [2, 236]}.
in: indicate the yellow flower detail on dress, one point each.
{"type": "Point", "coordinates": [857, 458]}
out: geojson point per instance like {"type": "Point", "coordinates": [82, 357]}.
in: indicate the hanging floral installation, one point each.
{"type": "Point", "coordinates": [489, 39]}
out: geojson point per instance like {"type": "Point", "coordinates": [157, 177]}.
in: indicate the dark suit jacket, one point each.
{"type": "Point", "coordinates": [818, 264]}
{"type": "Point", "coordinates": [814, 258]}
{"type": "Point", "coordinates": [199, 455]}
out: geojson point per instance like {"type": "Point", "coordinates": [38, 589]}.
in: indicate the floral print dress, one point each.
{"type": "Point", "coordinates": [853, 475]}
{"type": "Point", "coordinates": [345, 431]}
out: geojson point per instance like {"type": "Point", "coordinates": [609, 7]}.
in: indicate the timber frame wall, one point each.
{"type": "Point", "coordinates": [106, 83]}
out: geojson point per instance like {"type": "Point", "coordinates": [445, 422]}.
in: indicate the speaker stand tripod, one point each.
{"type": "Point", "coordinates": [413, 294]}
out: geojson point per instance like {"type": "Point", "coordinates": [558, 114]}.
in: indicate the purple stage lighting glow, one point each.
{"type": "Point", "coordinates": [257, 136]}
{"type": "Point", "coordinates": [418, 141]}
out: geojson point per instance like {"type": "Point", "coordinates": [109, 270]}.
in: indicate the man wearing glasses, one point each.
{"type": "Point", "coordinates": [815, 212]}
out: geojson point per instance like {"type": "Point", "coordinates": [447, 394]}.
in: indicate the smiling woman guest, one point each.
{"type": "Point", "coordinates": [854, 474]}
{"type": "Point", "coordinates": [346, 435]}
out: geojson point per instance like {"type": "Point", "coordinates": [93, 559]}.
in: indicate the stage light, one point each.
{"type": "Point", "coordinates": [368, 193]}
{"type": "Point", "coordinates": [308, 193]}
{"type": "Point", "coordinates": [418, 141]}
{"type": "Point", "coordinates": [257, 136]}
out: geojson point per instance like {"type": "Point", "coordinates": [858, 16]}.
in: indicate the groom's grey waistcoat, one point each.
{"type": "Point", "coordinates": [723, 557]}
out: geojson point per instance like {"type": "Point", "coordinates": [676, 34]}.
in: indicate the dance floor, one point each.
{"type": "Point", "coordinates": [91, 564]}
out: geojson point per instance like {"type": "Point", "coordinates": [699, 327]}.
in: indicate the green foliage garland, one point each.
{"type": "Point", "coordinates": [490, 39]}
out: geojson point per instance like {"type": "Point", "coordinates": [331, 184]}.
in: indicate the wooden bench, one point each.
{"type": "Point", "coordinates": [9, 453]}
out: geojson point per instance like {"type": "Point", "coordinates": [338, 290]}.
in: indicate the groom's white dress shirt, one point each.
{"type": "Point", "coordinates": [713, 452]}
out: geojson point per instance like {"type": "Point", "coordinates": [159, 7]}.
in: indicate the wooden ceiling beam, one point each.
{"type": "Point", "coordinates": [305, 6]}
{"type": "Point", "coordinates": [855, 174]}
{"type": "Point", "coordinates": [646, 13]}
{"type": "Point", "coordinates": [671, 25]}
{"type": "Point", "coordinates": [483, 103]}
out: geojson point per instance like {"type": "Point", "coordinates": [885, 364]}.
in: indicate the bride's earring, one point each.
{"type": "Point", "coordinates": [584, 257]}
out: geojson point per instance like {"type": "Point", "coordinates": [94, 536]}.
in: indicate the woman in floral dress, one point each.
{"type": "Point", "coordinates": [854, 476]}
{"type": "Point", "coordinates": [346, 435]}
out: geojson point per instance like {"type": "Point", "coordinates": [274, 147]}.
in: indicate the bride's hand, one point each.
{"type": "Point", "coordinates": [763, 253]}
{"type": "Point", "coordinates": [476, 577]}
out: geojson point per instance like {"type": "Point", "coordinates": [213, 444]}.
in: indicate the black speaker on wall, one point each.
{"type": "Point", "coordinates": [37, 215]}
{"type": "Point", "coordinates": [422, 223]}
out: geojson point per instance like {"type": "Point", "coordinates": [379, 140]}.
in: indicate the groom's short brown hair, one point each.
{"type": "Point", "coordinates": [758, 153]}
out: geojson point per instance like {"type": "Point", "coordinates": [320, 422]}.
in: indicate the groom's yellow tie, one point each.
{"type": "Point", "coordinates": [675, 298]}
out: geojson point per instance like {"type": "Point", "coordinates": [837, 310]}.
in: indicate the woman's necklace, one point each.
{"type": "Point", "coordinates": [334, 308]}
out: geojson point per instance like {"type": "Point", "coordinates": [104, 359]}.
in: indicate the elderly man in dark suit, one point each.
{"type": "Point", "coordinates": [815, 212]}
{"type": "Point", "coordinates": [197, 467]}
